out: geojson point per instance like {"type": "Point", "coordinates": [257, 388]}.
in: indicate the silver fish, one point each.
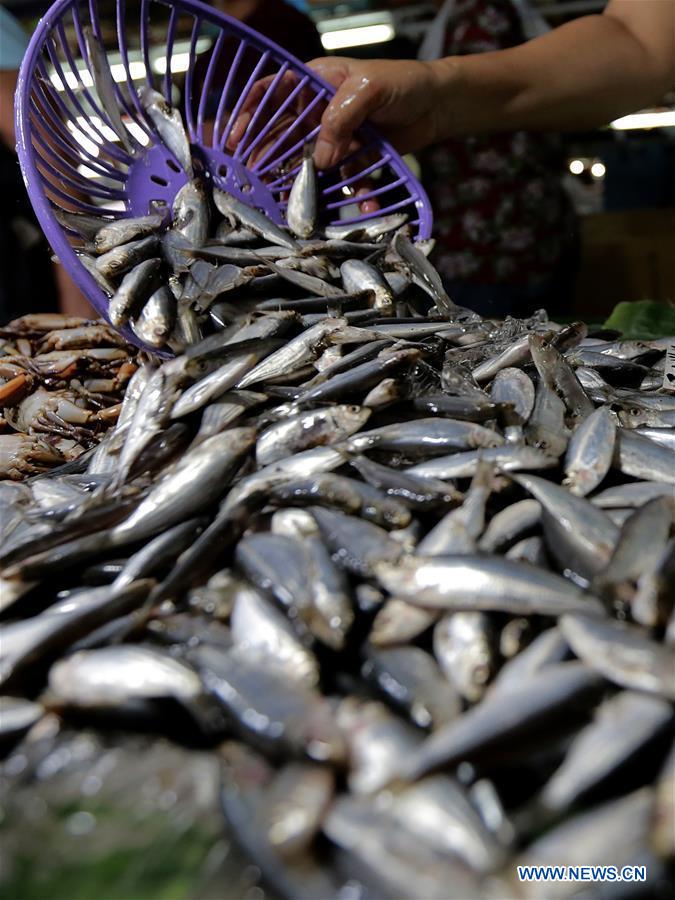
{"type": "Point", "coordinates": [652, 605]}
{"type": "Point", "coordinates": [332, 614]}
{"type": "Point", "coordinates": [556, 372]}
{"type": "Point", "coordinates": [25, 642]}
{"type": "Point", "coordinates": [121, 231]}
{"type": "Point", "coordinates": [426, 437]}
{"type": "Point", "coordinates": [261, 630]}
{"type": "Point", "coordinates": [376, 740]}
{"type": "Point", "coordinates": [664, 436]}
{"type": "Point", "coordinates": [511, 523]}
{"type": "Point", "coordinates": [371, 229]}
{"type": "Point", "coordinates": [252, 219]}
{"type": "Point", "coordinates": [392, 859]}
{"type": "Point", "coordinates": [579, 535]}
{"type": "Point", "coordinates": [126, 257]}
{"type": "Point", "coordinates": [275, 817]}
{"type": "Point", "coordinates": [632, 494]}
{"type": "Point", "coordinates": [515, 387]}
{"type": "Point", "coordinates": [134, 292]}
{"type": "Point", "coordinates": [590, 452]}
{"type": "Point", "coordinates": [624, 725]}
{"type": "Point", "coordinates": [89, 263]}
{"type": "Point", "coordinates": [309, 429]}
{"type": "Point", "coordinates": [114, 675]}
{"type": "Point", "coordinates": [439, 811]}
{"type": "Point", "coordinates": [105, 86]}
{"type": "Point", "coordinates": [169, 125]}
{"type": "Point", "coordinates": [151, 413]}
{"type": "Point", "coordinates": [426, 274]}
{"type": "Point", "coordinates": [464, 646]}
{"type": "Point", "coordinates": [356, 545]}
{"type": "Point", "coordinates": [297, 801]}
{"type": "Point", "coordinates": [399, 621]}
{"type": "Point", "coordinates": [84, 224]}
{"type": "Point", "coordinates": [224, 411]}
{"type": "Point", "coordinates": [504, 715]}
{"type": "Point", "coordinates": [546, 427]}
{"type": "Point", "coordinates": [517, 352]}
{"type": "Point", "coordinates": [358, 275]}
{"type": "Point", "coordinates": [458, 530]}
{"type": "Point", "coordinates": [215, 383]}
{"type": "Point", "coordinates": [156, 320]}
{"type": "Point", "coordinates": [191, 212]}
{"type": "Point", "coordinates": [303, 199]}
{"type": "Point", "coordinates": [548, 648]}
{"type": "Point", "coordinates": [509, 458]}
{"type": "Point", "coordinates": [622, 653]}
{"type": "Point", "coordinates": [612, 833]}
{"type": "Point", "coordinates": [481, 583]}
{"type": "Point", "coordinates": [412, 680]}
{"type": "Point", "coordinates": [17, 716]}
{"type": "Point", "coordinates": [270, 706]}
{"type": "Point", "coordinates": [636, 455]}
{"type": "Point", "coordinates": [197, 480]}
{"type": "Point", "coordinates": [302, 349]}
{"type": "Point", "coordinates": [641, 543]}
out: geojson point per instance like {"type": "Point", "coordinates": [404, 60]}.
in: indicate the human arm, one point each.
{"type": "Point", "coordinates": [580, 75]}
{"type": "Point", "coordinates": [7, 88]}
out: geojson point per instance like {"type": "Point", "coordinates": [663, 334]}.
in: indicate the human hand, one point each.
{"type": "Point", "coordinates": [399, 96]}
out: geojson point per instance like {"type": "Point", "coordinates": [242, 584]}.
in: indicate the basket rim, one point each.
{"type": "Point", "coordinates": [42, 206]}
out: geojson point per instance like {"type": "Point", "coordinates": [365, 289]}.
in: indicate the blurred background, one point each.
{"type": "Point", "coordinates": [620, 179]}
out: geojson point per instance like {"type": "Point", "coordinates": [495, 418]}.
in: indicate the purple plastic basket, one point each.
{"type": "Point", "coordinates": [68, 150]}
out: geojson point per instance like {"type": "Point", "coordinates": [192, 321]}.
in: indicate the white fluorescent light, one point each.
{"type": "Point", "coordinates": [72, 80]}
{"type": "Point", "coordinates": [180, 62]}
{"type": "Point", "coordinates": [598, 170]}
{"type": "Point", "coordinates": [137, 132]}
{"type": "Point", "coordinates": [119, 71]}
{"type": "Point", "coordinates": [96, 122]}
{"type": "Point", "coordinates": [577, 167]}
{"type": "Point", "coordinates": [357, 37]}
{"type": "Point", "coordinates": [85, 135]}
{"type": "Point", "coordinates": [83, 139]}
{"type": "Point", "coordinates": [664, 119]}
{"type": "Point", "coordinates": [86, 172]}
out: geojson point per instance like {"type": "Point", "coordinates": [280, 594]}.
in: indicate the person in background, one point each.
{"type": "Point", "coordinates": [275, 19]}
{"type": "Point", "coordinates": [505, 229]}
{"type": "Point", "coordinates": [578, 76]}
{"type": "Point", "coordinates": [29, 282]}
{"type": "Point", "coordinates": [282, 22]}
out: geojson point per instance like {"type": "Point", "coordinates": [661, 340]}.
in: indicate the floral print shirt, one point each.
{"type": "Point", "coordinates": [501, 215]}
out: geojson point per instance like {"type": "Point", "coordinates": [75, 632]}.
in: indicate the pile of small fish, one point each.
{"type": "Point", "coordinates": [62, 379]}
{"type": "Point", "coordinates": [176, 276]}
{"type": "Point", "coordinates": [410, 572]}
{"type": "Point", "coordinates": [418, 573]}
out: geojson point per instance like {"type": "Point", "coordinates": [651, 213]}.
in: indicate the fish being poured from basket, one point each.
{"type": "Point", "coordinates": [170, 277]}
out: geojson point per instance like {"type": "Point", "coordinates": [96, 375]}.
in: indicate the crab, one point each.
{"type": "Point", "coordinates": [83, 337]}
{"type": "Point", "coordinates": [25, 454]}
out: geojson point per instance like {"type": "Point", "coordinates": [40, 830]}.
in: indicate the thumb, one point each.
{"type": "Point", "coordinates": [356, 99]}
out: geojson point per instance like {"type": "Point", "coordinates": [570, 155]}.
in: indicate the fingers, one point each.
{"type": "Point", "coordinates": [333, 69]}
{"type": "Point", "coordinates": [256, 95]}
{"type": "Point", "coordinates": [370, 205]}
{"type": "Point", "coordinates": [357, 97]}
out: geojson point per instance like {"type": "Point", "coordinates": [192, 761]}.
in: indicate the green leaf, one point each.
{"type": "Point", "coordinates": [643, 320]}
